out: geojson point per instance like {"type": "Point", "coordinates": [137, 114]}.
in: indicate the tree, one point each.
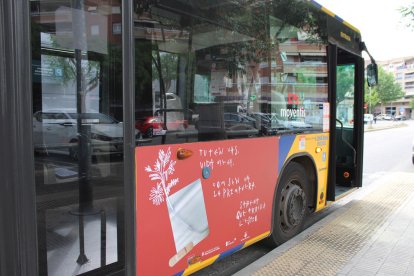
{"type": "Point", "coordinates": [412, 103]}
{"type": "Point", "coordinates": [407, 14]}
{"type": "Point", "coordinates": [371, 97]}
{"type": "Point", "coordinates": [345, 82]}
{"type": "Point", "coordinates": [387, 89]}
{"type": "Point", "coordinates": [165, 67]}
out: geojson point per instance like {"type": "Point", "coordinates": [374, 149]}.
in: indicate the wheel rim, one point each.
{"type": "Point", "coordinates": [292, 206]}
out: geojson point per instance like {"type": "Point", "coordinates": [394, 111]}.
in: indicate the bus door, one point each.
{"type": "Point", "coordinates": [346, 97]}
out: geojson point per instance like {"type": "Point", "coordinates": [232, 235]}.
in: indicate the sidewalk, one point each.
{"type": "Point", "coordinates": [379, 125]}
{"type": "Point", "coordinates": [371, 235]}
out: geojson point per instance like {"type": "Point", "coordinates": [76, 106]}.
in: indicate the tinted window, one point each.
{"type": "Point", "coordinates": [345, 87]}
{"type": "Point", "coordinates": [199, 63]}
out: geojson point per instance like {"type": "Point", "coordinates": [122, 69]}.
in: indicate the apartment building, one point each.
{"type": "Point", "coordinates": [403, 70]}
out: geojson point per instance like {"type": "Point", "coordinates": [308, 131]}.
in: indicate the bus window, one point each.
{"type": "Point", "coordinates": [345, 87]}
{"type": "Point", "coordinates": [273, 80]}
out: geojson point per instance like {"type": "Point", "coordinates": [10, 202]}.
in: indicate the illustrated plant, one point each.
{"type": "Point", "coordinates": [163, 168]}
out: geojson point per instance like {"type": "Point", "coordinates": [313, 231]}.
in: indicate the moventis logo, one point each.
{"type": "Point", "coordinates": [293, 99]}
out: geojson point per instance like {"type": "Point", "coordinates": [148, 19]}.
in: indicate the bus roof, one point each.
{"type": "Point", "coordinates": [328, 12]}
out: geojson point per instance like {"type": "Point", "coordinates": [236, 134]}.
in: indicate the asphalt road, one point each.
{"type": "Point", "coordinates": [389, 150]}
{"type": "Point", "coordinates": [385, 150]}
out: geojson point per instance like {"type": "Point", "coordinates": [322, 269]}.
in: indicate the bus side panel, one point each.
{"type": "Point", "coordinates": [308, 144]}
{"type": "Point", "coordinates": [216, 199]}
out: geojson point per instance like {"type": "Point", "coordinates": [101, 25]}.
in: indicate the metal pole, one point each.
{"type": "Point", "coordinates": [82, 259]}
{"type": "Point", "coordinates": [103, 238]}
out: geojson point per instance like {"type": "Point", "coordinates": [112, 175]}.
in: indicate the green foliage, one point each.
{"type": "Point", "coordinates": [372, 96]}
{"type": "Point", "coordinates": [168, 68]}
{"type": "Point", "coordinates": [89, 70]}
{"type": "Point", "coordinates": [407, 14]}
{"type": "Point", "coordinates": [387, 89]}
{"type": "Point", "coordinates": [412, 103]}
{"type": "Point", "coordinates": [345, 82]}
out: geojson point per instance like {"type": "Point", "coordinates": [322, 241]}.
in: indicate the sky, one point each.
{"type": "Point", "coordinates": [380, 23]}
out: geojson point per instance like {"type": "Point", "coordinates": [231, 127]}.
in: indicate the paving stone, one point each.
{"type": "Point", "coordinates": [371, 228]}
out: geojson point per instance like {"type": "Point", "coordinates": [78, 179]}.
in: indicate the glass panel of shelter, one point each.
{"type": "Point", "coordinates": [78, 135]}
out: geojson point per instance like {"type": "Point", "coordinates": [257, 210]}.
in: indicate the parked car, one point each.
{"type": "Point", "coordinates": [57, 131]}
{"type": "Point", "coordinates": [290, 125]}
{"type": "Point", "coordinates": [150, 126]}
{"type": "Point", "coordinates": [267, 126]}
{"type": "Point", "coordinates": [238, 125]}
{"type": "Point", "coordinates": [154, 125]}
{"type": "Point", "coordinates": [231, 120]}
{"type": "Point", "coordinates": [400, 118]}
{"type": "Point", "coordinates": [387, 117]}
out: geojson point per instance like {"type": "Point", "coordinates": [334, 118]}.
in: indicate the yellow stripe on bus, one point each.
{"type": "Point", "coordinates": [256, 239]}
{"type": "Point", "coordinates": [196, 267]}
{"type": "Point", "coordinates": [328, 11]}
{"type": "Point", "coordinates": [325, 10]}
{"type": "Point", "coordinates": [351, 26]}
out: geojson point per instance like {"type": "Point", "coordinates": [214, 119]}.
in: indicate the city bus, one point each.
{"type": "Point", "coordinates": [156, 137]}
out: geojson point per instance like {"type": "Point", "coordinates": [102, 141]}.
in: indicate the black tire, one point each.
{"type": "Point", "coordinates": [149, 133]}
{"type": "Point", "coordinates": [73, 150]}
{"type": "Point", "coordinates": [290, 208]}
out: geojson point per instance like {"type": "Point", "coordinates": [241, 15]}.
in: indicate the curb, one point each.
{"type": "Point", "coordinates": [386, 127]}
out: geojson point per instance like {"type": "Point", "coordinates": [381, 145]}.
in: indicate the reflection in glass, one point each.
{"type": "Point", "coordinates": [345, 94]}
{"type": "Point", "coordinates": [228, 70]}
{"type": "Point", "coordinates": [78, 135]}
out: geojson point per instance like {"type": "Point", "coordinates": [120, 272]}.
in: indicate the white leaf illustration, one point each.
{"type": "Point", "coordinates": [167, 157]}
{"type": "Point", "coordinates": [161, 156]}
{"type": "Point", "coordinates": [155, 176]}
{"type": "Point", "coordinates": [157, 166]}
{"type": "Point", "coordinates": [170, 169]}
{"type": "Point", "coordinates": [157, 195]}
{"type": "Point", "coordinates": [163, 168]}
{"type": "Point", "coordinates": [171, 184]}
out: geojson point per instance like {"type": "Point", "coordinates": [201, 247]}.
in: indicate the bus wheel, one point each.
{"type": "Point", "coordinates": [290, 210]}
